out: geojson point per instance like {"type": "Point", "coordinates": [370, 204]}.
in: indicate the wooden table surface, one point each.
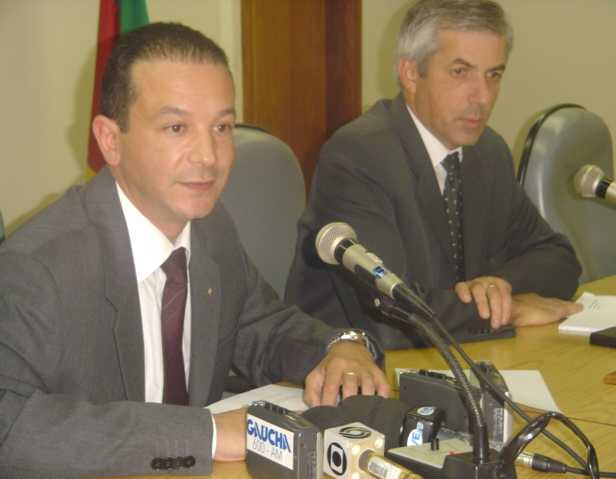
{"type": "Point", "coordinates": [572, 369]}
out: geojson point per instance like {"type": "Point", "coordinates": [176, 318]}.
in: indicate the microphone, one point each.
{"type": "Point", "coordinates": [591, 182]}
{"type": "Point", "coordinates": [382, 468]}
{"type": "Point", "coordinates": [336, 243]}
{"type": "Point", "coordinates": [355, 450]}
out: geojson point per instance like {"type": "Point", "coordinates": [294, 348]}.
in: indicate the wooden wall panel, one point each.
{"type": "Point", "coordinates": [343, 56]}
{"type": "Point", "coordinates": [301, 61]}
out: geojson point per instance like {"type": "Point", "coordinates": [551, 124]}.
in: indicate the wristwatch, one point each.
{"type": "Point", "coordinates": [358, 336]}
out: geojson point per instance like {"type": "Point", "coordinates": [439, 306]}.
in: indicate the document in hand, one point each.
{"type": "Point", "coordinates": [599, 313]}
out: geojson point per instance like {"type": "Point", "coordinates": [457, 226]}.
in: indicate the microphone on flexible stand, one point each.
{"type": "Point", "coordinates": [591, 182]}
{"type": "Point", "coordinates": [336, 243]}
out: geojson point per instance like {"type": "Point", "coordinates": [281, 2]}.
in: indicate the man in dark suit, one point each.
{"type": "Point", "coordinates": [470, 237]}
{"type": "Point", "coordinates": [98, 327]}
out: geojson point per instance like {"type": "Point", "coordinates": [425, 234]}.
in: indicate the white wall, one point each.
{"type": "Point", "coordinates": [47, 52]}
{"type": "Point", "coordinates": [565, 51]}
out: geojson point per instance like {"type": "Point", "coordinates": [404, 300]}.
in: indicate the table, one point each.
{"type": "Point", "coordinates": [572, 368]}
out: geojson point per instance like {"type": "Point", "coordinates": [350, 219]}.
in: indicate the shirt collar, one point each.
{"type": "Point", "coordinates": [436, 150]}
{"type": "Point", "coordinates": [150, 247]}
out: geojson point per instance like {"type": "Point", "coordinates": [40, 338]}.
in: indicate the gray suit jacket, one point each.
{"type": "Point", "coordinates": [375, 174]}
{"type": "Point", "coordinates": [71, 346]}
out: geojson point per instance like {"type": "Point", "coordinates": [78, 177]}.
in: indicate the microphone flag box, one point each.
{"type": "Point", "coordinates": [343, 448]}
{"type": "Point", "coordinates": [497, 415]}
{"type": "Point", "coordinates": [420, 388]}
{"type": "Point", "coordinates": [281, 443]}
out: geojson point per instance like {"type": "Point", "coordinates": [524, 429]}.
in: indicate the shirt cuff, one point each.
{"type": "Point", "coordinates": [214, 437]}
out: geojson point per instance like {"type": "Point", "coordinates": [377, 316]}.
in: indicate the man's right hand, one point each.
{"type": "Point", "coordinates": [491, 295]}
{"type": "Point", "coordinates": [230, 436]}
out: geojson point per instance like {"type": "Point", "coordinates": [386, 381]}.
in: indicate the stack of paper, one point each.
{"type": "Point", "coordinates": [599, 313]}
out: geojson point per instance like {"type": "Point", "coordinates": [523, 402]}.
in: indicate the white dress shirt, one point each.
{"type": "Point", "coordinates": [150, 249]}
{"type": "Point", "coordinates": [436, 150]}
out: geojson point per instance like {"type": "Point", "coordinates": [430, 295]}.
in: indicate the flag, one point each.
{"type": "Point", "coordinates": [114, 17]}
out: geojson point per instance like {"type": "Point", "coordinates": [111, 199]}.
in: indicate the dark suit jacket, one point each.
{"type": "Point", "coordinates": [71, 346]}
{"type": "Point", "coordinates": [375, 174]}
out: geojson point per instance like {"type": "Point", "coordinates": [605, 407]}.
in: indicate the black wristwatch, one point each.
{"type": "Point", "coordinates": [358, 336]}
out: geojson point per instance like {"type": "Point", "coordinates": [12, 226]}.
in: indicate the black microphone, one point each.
{"type": "Point", "coordinates": [336, 243]}
{"type": "Point", "coordinates": [591, 182]}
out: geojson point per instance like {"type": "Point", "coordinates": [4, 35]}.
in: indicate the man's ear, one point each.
{"type": "Point", "coordinates": [408, 74]}
{"type": "Point", "coordinates": [107, 133]}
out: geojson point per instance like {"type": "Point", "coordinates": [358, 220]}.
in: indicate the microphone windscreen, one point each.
{"type": "Point", "coordinates": [383, 414]}
{"type": "Point", "coordinates": [328, 238]}
{"type": "Point", "coordinates": [325, 417]}
{"type": "Point", "coordinates": [587, 179]}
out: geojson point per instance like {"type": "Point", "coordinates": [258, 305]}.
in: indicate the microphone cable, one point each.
{"type": "Point", "coordinates": [480, 438]}
{"type": "Point", "coordinates": [387, 307]}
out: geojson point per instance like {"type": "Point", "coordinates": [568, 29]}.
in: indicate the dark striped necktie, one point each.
{"type": "Point", "coordinates": [452, 194]}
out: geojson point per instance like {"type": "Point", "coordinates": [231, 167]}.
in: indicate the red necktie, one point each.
{"type": "Point", "coordinates": [172, 323]}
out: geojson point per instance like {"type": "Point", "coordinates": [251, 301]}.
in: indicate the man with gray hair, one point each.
{"type": "Point", "coordinates": [431, 189]}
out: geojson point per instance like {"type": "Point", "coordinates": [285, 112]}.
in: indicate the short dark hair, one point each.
{"type": "Point", "coordinates": [417, 37]}
{"type": "Point", "coordinates": [155, 41]}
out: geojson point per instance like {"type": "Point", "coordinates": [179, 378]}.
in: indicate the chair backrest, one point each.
{"type": "Point", "coordinates": [561, 141]}
{"type": "Point", "coordinates": [266, 195]}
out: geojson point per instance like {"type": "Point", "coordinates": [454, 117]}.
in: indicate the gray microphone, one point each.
{"type": "Point", "coordinates": [336, 244]}
{"type": "Point", "coordinates": [591, 182]}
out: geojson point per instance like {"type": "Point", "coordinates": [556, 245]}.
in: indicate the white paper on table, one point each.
{"type": "Point", "coordinates": [288, 397]}
{"type": "Point", "coordinates": [526, 387]}
{"type": "Point", "coordinates": [599, 313]}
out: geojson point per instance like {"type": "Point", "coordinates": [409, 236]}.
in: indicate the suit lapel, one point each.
{"type": "Point", "coordinates": [428, 193]}
{"type": "Point", "coordinates": [205, 297]}
{"type": "Point", "coordinates": [120, 285]}
{"type": "Point", "coordinates": [476, 191]}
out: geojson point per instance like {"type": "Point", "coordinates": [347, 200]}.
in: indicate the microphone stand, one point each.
{"type": "Point", "coordinates": [482, 462]}
{"type": "Point", "coordinates": [412, 301]}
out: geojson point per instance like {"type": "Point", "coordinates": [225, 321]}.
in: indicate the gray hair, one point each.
{"type": "Point", "coordinates": [417, 37]}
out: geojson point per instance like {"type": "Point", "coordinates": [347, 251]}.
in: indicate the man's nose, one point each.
{"type": "Point", "coordinates": [481, 92]}
{"type": "Point", "coordinates": [204, 148]}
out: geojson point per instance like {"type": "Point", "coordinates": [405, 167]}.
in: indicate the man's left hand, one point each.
{"type": "Point", "coordinates": [348, 365]}
{"type": "Point", "coordinates": [533, 310]}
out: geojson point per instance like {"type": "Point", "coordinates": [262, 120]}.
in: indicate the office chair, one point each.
{"type": "Point", "coordinates": [562, 140]}
{"type": "Point", "coordinates": [265, 195]}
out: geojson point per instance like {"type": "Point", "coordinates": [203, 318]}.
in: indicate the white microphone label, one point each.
{"type": "Point", "coordinates": [270, 441]}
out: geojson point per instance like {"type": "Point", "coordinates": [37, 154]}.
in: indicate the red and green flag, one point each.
{"type": "Point", "coordinates": [115, 17]}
